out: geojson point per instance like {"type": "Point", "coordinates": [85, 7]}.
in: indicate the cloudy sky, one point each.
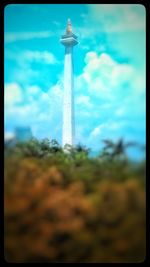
{"type": "Point", "coordinates": [109, 66]}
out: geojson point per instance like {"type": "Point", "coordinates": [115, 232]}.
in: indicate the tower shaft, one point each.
{"type": "Point", "coordinates": [68, 40]}
{"type": "Point", "coordinates": [68, 101]}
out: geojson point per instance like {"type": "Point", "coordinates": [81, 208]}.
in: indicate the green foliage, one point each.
{"type": "Point", "coordinates": [116, 150]}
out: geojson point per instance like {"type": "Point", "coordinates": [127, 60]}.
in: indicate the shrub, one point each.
{"type": "Point", "coordinates": [59, 212]}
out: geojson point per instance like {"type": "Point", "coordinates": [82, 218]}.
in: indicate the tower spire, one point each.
{"type": "Point", "coordinates": [69, 27]}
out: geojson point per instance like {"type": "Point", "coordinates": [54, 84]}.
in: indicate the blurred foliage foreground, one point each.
{"type": "Point", "coordinates": [66, 207]}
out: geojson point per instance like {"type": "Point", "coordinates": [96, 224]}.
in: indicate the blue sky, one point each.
{"type": "Point", "coordinates": [109, 70]}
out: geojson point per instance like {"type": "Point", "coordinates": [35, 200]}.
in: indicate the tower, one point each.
{"type": "Point", "coordinates": [68, 40]}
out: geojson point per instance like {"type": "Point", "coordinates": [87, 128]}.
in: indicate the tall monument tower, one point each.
{"type": "Point", "coordinates": [68, 40]}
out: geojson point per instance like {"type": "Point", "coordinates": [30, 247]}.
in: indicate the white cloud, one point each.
{"type": "Point", "coordinates": [36, 102]}
{"type": "Point", "coordinates": [120, 111]}
{"type": "Point", "coordinates": [39, 56]}
{"type": "Point", "coordinates": [82, 114]}
{"type": "Point", "coordinates": [140, 83]}
{"type": "Point", "coordinates": [113, 91]}
{"type": "Point", "coordinates": [26, 56]}
{"type": "Point", "coordinates": [23, 112]}
{"type": "Point", "coordinates": [97, 130]}
{"type": "Point", "coordinates": [36, 94]}
{"type": "Point", "coordinates": [12, 94]}
{"type": "Point", "coordinates": [34, 89]}
{"type": "Point", "coordinates": [111, 18]}
{"type": "Point", "coordinates": [38, 109]}
{"type": "Point", "coordinates": [84, 47]}
{"type": "Point", "coordinates": [56, 93]}
{"type": "Point", "coordinates": [22, 36]}
{"type": "Point", "coordinates": [118, 17]}
{"type": "Point", "coordinates": [56, 23]}
{"type": "Point", "coordinates": [105, 127]}
{"type": "Point", "coordinates": [23, 72]}
{"type": "Point", "coordinates": [83, 100]}
{"type": "Point", "coordinates": [104, 77]}
{"type": "Point", "coordinates": [8, 136]}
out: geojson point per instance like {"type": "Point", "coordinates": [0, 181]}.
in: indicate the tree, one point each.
{"type": "Point", "coordinates": [54, 146]}
{"type": "Point", "coordinates": [36, 148]}
{"type": "Point", "coordinates": [115, 150]}
{"type": "Point", "coordinates": [81, 148]}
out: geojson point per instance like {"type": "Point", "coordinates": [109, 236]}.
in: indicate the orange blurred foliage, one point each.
{"type": "Point", "coordinates": [48, 220]}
